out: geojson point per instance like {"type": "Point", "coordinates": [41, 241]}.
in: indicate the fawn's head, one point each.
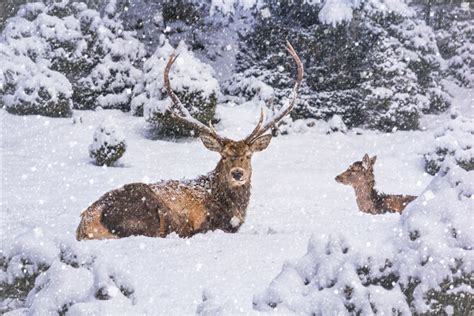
{"type": "Point", "coordinates": [358, 172]}
{"type": "Point", "coordinates": [235, 164]}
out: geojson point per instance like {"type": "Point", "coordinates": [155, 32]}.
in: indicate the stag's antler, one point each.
{"type": "Point", "coordinates": [179, 111]}
{"type": "Point", "coordinates": [259, 130]}
{"type": "Point", "coordinates": [177, 108]}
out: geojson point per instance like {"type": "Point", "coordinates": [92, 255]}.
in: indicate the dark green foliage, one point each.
{"type": "Point", "coordinates": [182, 11]}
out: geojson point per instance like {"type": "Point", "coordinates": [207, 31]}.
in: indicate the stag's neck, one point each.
{"type": "Point", "coordinates": [366, 196]}
{"type": "Point", "coordinates": [227, 204]}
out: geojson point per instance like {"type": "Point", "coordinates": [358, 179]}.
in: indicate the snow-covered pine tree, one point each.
{"type": "Point", "coordinates": [424, 60]}
{"type": "Point", "coordinates": [343, 61]}
{"type": "Point", "coordinates": [390, 85]}
{"type": "Point", "coordinates": [192, 81]}
{"type": "Point", "coordinates": [454, 28]}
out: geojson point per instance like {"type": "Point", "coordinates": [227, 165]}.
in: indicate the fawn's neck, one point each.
{"type": "Point", "coordinates": [366, 195]}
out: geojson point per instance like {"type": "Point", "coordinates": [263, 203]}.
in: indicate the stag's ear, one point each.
{"type": "Point", "coordinates": [372, 160]}
{"type": "Point", "coordinates": [260, 143]}
{"type": "Point", "coordinates": [366, 161]}
{"type": "Point", "coordinates": [211, 142]}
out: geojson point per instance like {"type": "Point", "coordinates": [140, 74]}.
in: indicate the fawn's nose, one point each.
{"type": "Point", "coordinates": [237, 174]}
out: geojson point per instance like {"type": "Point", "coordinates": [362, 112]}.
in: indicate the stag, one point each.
{"type": "Point", "coordinates": [360, 175]}
{"type": "Point", "coordinates": [214, 201]}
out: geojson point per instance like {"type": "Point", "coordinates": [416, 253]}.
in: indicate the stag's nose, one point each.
{"type": "Point", "coordinates": [237, 174]}
{"type": "Point", "coordinates": [338, 178]}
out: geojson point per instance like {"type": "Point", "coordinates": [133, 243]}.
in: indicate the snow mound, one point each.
{"type": "Point", "coordinates": [333, 125]}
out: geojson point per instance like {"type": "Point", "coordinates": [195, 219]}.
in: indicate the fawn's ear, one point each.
{"type": "Point", "coordinates": [260, 143]}
{"type": "Point", "coordinates": [211, 142]}
{"type": "Point", "coordinates": [366, 161]}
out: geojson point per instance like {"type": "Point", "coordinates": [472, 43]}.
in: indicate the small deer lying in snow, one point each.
{"type": "Point", "coordinates": [217, 200]}
{"type": "Point", "coordinates": [361, 176]}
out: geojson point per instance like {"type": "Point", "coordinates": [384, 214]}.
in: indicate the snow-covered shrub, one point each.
{"type": "Point", "coordinates": [345, 60]}
{"type": "Point", "coordinates": [32, 88]}
{"type": "Point", "coordinates": [436, 244]}
{"type": "Point", "coordinates": [20, 264]}
{"type": "Point", "coordinates": [454, 140]}
{"type": "Point", "coordinates": [191, 80]}
{"type": "Point", "coordinates": [42, 275]}
{"type": "Point", "coordinates": [45, 93]}
{"type": "Point", "coordinates": [108, 144]}
{"type": "Point", "coordinates": [94, 53]}
{"type": "Point", "coordinates": [36, 41]}
{"type": "Point", "coordinates": [425, 267]}
{"type": "Point", "coordinates": [111, 67]}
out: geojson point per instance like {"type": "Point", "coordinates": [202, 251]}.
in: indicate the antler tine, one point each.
{"type": "Point", "coordinates": [177, 109]}
{"type": "Point", "coordinates": [212, 129]}
{"type": "Point", "coordinates": [257, 128]}
{"type": "Point", "coordinates": [293, 96]}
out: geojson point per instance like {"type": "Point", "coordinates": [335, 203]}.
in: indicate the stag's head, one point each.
{"type": "Point", "coordinates": [235, 164]}
{"type": "Point", "coordinates": [359, 172]}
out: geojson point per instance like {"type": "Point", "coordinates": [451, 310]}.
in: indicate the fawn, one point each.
{"type": "Point", "coordinates": [217, 200]}
{"type": "Point", "coordinates": [361, 176]}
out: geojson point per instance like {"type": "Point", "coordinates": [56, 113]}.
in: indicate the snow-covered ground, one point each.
{"type": "Point", "coordinates": [48, 179]}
